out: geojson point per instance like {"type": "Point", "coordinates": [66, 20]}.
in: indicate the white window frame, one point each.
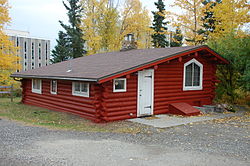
{"type": "Point", "coordinates": [125, 85]}
{"type": "Point", "coordinates": [200, 87]}
{"type": "Point", "coordinates": [51, 87]}
{"type": "Point", "coordinates": [39, 91]}
{"type": "Point", "coordinates": [83, 94]}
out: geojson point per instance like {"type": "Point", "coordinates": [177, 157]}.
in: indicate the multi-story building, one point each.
{"type": "Point", "coordinates": [34, 52]}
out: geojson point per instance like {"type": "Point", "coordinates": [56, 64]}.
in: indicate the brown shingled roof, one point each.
{"type": "Point", "coordinates": [100, 66]}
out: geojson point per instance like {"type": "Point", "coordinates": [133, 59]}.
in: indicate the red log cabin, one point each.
{"type": "Point", "coordinates": [125, 84]}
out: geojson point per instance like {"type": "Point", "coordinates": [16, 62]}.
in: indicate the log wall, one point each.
{"type": "Point", "coordinates": [64, 101]}
{"type": "Point", "coordinates": [168, 88]}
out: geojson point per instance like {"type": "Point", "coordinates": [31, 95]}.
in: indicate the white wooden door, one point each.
{"type": "Point", "coordinates": [145, 92]}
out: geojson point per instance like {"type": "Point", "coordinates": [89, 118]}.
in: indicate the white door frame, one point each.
{"type": "Point", "coordinates": [138, 93]}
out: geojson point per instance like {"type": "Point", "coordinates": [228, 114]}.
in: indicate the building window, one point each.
{"type": "Point", "coordinates": [39, 51]}
{"type": "Point", "coordinates": [25, 47]}
{"type": "Point", "coordinates": [193, 73]}
{"type": "Point", "coordinates": [25, 56]}
{"type": "Point", "coordinates": [37, 86]}
{"type": "Point", "coordinates": [119, 85]}
{"type": "Point", "coordinates": [46, 52]}
{"type": "Point", "coordinates": [32, 50]}
{"type": "Point", "coordinates": [80, 89]}
{"type": "Point", "coordinates": [17, 41]}
{"type": "Point", "coordinates": [39, 64]}
{"type": "Point", "coordinates": [53, 87]}
{"type": "Point", "coordinates": [25, 66]}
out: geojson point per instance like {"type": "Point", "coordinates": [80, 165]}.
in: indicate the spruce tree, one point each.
{"type": "Point", "coordinates": [73, 30]}
{"type": "Point", "coordinates": [159, 26]}
{"type": "Point", "coordinates": [61, 51]}
{"type": "Point", "coordinates": [177, 38]}
{"type": "Point", "coordinates": [208, 19]}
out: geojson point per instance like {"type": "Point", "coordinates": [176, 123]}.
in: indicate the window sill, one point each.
{"type": "Point", "coordinates": [36, 91]}
{"type": "Point", "coordinates": [192, 88]}
{"type": "Point", "coordinates": [81, 94]}
{"type": "Point", "coordinates": [122, 90]}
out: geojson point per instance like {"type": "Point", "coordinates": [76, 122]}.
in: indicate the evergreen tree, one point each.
{"type": "Point", "coordinates": [208, 19]}
{"type": "Point", "coordinates": [234, 77]}
{"type": "Point", "coordinates": [61, 51]}
{"type": "Point", "coordinates": [73, 30]}
{"type": "Point", "coordinates": [177, 38]}
{"type": "Point", "coordinates": [159, 26]}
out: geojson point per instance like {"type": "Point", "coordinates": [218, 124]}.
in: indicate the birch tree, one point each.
{"type": "Point", "coordinates": [231, 16]}
{"type": "Point", "coordinates": [190, 20]}
{"type": "Point", "coordinates": [9, 61]}
{"type": "Point", "coordinates": [135, 19]}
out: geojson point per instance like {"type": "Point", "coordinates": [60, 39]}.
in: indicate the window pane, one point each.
{"type": "Point", "coordinates": [196, 75]}
{"type": "Point", "coordinates": [84, 87]}
{"type": "Point", "coordinates": [53, 86]}
{"type": "Point", "coordinates": [188, 79]}
{"type": "Point", "coordinates": [36, 84]}
{"type": "Point", "coordinates": [77, 87]}
{"type": "Point", "coordinates": [119, 84]}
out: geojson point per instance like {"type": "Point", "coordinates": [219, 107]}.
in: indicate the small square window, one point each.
{"type": "Point", "coordinates": [37, 86]}
{"type": "Point", "coordinates": [80, 89]}
{"type": "Point", "coordinates": [119, 85]}
{"type": "Point", "coordinates": [53, 87]}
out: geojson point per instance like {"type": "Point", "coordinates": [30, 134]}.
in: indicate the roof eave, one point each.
{"type": "Point", "coordinates": [54, 77]}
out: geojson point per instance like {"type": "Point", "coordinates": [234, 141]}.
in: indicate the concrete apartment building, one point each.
{"type": "Point", "coordinates": [34, 52]}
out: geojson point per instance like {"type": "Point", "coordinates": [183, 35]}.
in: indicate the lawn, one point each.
{"type": "Point", "coordinates": [31, 115]}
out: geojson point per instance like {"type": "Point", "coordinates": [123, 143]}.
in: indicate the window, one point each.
{"type": "Point", "coordinates": [37, 86]}
{"type": "Point", "coordinates": [53, 87]}
{"type": "Point", "coordinates": [193, 72]}
{"type": "Point", "coordinates": [119, 85]}
{"type": "Point", "coordinates": [39, 51]}
{"type": "Point", "coordinates": [17, 42]}
{"type": "Point", "coordinates": [32, 50]}
{"type": "Point", "coordinates": [46, 51]}
{"type": "Point", "coordinates": [25, 66]}
{"type": "Point", "coordinates": [80, 89]}
{"type": "Point", "coordinates": [25, 46]}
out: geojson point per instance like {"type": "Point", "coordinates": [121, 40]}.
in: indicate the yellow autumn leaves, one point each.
{"type": "Point", "coordinates": [105, 23]}
{"type": "Point", "coordinates": [230, 16]}
{"type": "Point", "coordinates": [8, 52]}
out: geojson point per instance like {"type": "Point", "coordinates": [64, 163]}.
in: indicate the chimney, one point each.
{"type": "Point", "coordinates": [129, 42]}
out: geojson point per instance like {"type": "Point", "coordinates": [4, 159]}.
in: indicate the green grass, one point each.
{"type": "Point", "coordinates": [32, 115]}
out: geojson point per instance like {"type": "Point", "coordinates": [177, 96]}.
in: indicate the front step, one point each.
{"type": "Point", "coordinates": [183, 109]}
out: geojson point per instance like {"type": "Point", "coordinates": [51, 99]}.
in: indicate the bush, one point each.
{"type": "Point", "coordinates": [235, 85]}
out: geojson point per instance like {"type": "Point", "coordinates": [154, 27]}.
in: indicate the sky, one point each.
{"type": "Point", "coordinates": [40, 17]}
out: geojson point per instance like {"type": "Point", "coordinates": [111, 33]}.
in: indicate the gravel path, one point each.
{"type": "Point", "coordinates": [200, 144]}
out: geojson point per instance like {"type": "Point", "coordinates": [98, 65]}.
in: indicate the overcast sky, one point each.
{"type": "Point", "coordinates": [40, 17]}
